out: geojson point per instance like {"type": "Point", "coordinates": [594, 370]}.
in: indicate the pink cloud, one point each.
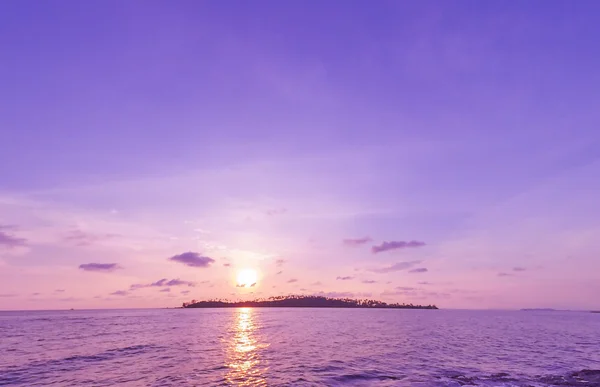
{"type": "Point", "coordinates": [81, 238]}
{"type": "Point", "coordinates": [356, 241]}
{"type": "Point", "coordinates": [9, 240]}
{"type": "Point", "coordinates": [393, 245]}
{"type": "Point", "coordinates": [99, 267]}
{"type": "Point", "coordinates": [192, 259]}
{"type": "Point", "coordinates": [395, 267]}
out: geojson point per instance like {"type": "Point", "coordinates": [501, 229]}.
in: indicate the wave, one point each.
{"type": "Point", "coordinates": [36, 370]}
{"type": "Point", "coordinates": [586, 377]}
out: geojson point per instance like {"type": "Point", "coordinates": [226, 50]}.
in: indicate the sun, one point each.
{"type": "Point", "coordinates": [247, 278]}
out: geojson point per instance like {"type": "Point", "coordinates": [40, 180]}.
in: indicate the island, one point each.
{"type": "Point", "coordinates": [294, 301]}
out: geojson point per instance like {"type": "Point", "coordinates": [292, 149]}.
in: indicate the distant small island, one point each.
{"type": "Point", "coordinates": [538, 310]}
{"type": "Point", "coordinates": [303, 302]}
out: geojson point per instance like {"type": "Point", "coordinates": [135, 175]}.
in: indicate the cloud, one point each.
{"type": "Point", "coordinates": [35, 294]}
{"type": "Point", "coordinates": [227, 264]}
{"type": "Point", "coordinates": [99, 267]}
{"type": "Point", "coordinates": [240, 285]}
{"type": "Point", "coordinates": [279, 272]}
{"type": "Point", "coordinates": [424, 283]}
{"type": "Point", "coordinates": [165, 290]}
{"type": "Point", "coordinates": [318, 283]}
{"type": "Point", "coordinates": [356, 241]}
{"type": "Point", "coordinates": [59, 291]}
{"type": "Point", "coordinates": [291, 281]}
{"type": "Point", "coordinates": [343, 294]}
{"type": "Point", "coordinates": [369, 282]}
{"type": "Point", "coordinates": [7, 295]}
{"type": "Point", "coordinates": [178, 282]}
{"type": "Point", "coordinates": [346, 278]}
{"type": "Point", "coordinates": [120, 293]}
{"type": "Point", "coordinates": [185, 292]}
{"type": "Point", "coordinates": [386, 246]}
{"type": "Point", "coordinates": [81, 238]}
{"type": "Point", "coordinates": [279, 262]}
{"type": "Point", "coordinates": [9, 240]}
{"type": "Point", "coordinates": [419, 270]}
{"type": "Point", "coordinates": [395, 267]}
{"type": "Point", "coordinates": [276, 211]}
{"type": "Point", "coordinates": [164, 283]}
{"type": "Point", "coordinates": [414, 293]}
{"type": "Point", "coordinates": [192, 259]}
{"type": "Point", "coordinates": [505, 274]}
{"type": "Point", "coordinates": [519, 269]}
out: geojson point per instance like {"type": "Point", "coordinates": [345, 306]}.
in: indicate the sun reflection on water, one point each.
{"type": "Point", "coordinates": [243, 358]}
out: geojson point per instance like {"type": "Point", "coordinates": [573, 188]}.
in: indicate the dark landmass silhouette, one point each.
{"type": "Point", "coordinates": [538, 310]}
{"type": "Point", "coordinates": [303, 302]}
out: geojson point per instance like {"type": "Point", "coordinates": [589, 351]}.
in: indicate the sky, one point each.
{"type": "Point", "coordinates": [420, 152]}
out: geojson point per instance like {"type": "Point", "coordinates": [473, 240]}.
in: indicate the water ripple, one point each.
{"type": "Point", "coordinates": [299, 347]}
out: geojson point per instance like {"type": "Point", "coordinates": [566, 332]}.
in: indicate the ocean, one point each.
{"type": "Point", "coordinates": [299, 347]}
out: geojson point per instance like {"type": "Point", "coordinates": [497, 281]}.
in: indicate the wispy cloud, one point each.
{"type": "Point", "coordinates": [419, 270]}
{"type": "Point", "coordinates": [192, 259]}
{"type": "Point", "coordinates": [6, 295]}
{"type": "Point", "coordinates": [276, 211]}
{"type": "Point", "coordinates": [346, 278]}
{"type": "Point", "coordinates": [318, 283]}
{"type": "Point", "coordinates": [279, 272]}
{"type": "Point", "coordinates": [99, 267]}
{"type": "Point", "coordinates": [227, 264]}
{"type": "Point", "coordinates": [519, 269]}
{"type": "Point", "coordinates": [59, 291]}
{"type": "Point", "coordinates": [415, 293]}
{"type": "Point", "coordinates": [393, 245]}
{"type": "Point", "coordinates": [9, 240]}
{"type": "Point", "coordinates": [343, 294]}
{"type": "Point", "coordinates": [503, 274]}
{"type": "Point", "coordinates": [175, 282]}
{"type": "Point", "coordinates": [279, 262]}
{"type": "Point", "coordinates": [120, 293]}
{"type": "Point", "coordinates": [356, 241]}
{"type": "Point", "coordinates": [185, 292]}
{"type": "Point", "coordinates": [424, 283]}
{"type": "Point", "coordinates": [165, 290]}
{"type": "Point", "coordinates": [395, 267]}
{"type": "Point", "coordinates": [291, 281]}
{"type": "Point", "coordinates": [81, 238]}
{"type": "Point", "coordinates": [163, 283]}
{"type": "Point", "coordinates": [369, 282]}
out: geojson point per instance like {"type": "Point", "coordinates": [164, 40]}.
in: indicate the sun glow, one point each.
{"type": "Point", "coordinates": [247, 278]}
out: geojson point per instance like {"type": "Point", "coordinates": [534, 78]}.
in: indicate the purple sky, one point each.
{"type": "Point", "coordinates": [426, 152]}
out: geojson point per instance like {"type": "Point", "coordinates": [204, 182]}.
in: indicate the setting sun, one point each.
{"type": "Point", "coordinates": [247, 278]}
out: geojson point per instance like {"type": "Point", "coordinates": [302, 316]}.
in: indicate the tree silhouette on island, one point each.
{"type": "Point", "coordinates": [299, 301]}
